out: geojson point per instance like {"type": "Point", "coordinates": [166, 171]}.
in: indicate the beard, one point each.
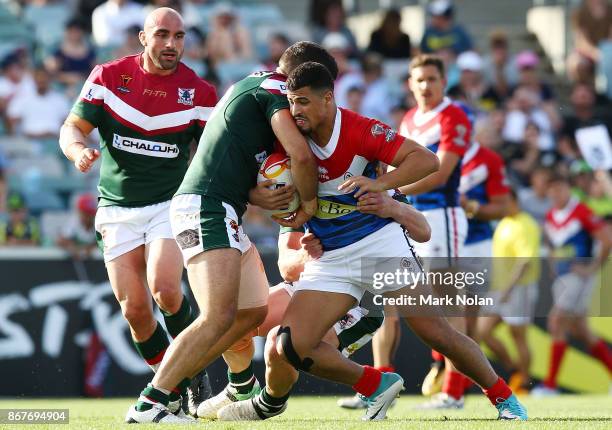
{"type": "Point", "coordinates": [165, 63]}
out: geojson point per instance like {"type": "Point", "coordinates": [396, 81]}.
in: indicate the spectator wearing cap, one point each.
{"type": "Point", "coordinates": [499, 69]}
{"type": "Point", "coordinates": [591, 24]}
{"type": "Point", "coordinates": [389, 40]}
{"type": "Point", "coordinates": [74, 58]}
{"type": "Point", "coordinates": [228, 40]}
{"type": "Point", "coordinates": [329, 16]}
{"type": "Point", "coordinates": [78, 236]}
{"type": "Point", "coordinates": [583, 114]}
{"type": "Point", "coordinates": [442, 33]}
{"type": "Point", "coordinates": [41, 114]}
{"type": "Point", "coordinates": [16, 80]}
{"type": "Point", "coordinates": [111, 19]}
{"type": "Point", "coordinates": [472, 88]}
{"type": "Point", "coordinates": [527, 63]}
{"type": "Point", "coordinates": [20, 229]}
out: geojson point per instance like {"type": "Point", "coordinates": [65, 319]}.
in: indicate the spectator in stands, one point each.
{"type": "Point", "coordinates": [442, 32]}
{"type": "Point", "coordinates": [74, 58]}
{"type": "Point", "coordinates": [525, 107]}
{"type": "Point", "coordinates": [377, 99]}
{"type": "Point", "coordinates": [592, 24]}
{"type": "Point", "coordinates": [262, 231]}
{"type": "Point", "coordinates": [354, 98]}
{"type": "Point", "coordinates": [228, 39]}
{"type": "Point", "coordinates": [277, 44]}
{"type": "Point", "coordinates": [599, 197]}
{"type": "Point", "coordinates": [397, 114]}
{"type": "Point", "coordinates": [521, 167]}
{"type": "Point", "coordinates": [584, 114]}
{"type": "Point", "coordinates": [3, 184]}
{"type": "Point", "coordinates": [534, 199]}
{"type": "Point", "coordinates": [389, 40]}
{"type": "Point", "coordinates": [20, 229]}
{"type": "Point", "coordinates": [329, 16]}
{"type": "Point", "coordinates": [338, 46]}
{"type": "Point", "coordinates": [527, 62]}
{"type": "Point", "coordinates": [16, 80]}
{"type": "Point", "coordinates": [499, 68]}
{"type": "Point", "coordinates": [78, 236]}
{"type": "Point", "coordinates": [191, 15]}
{"type": "Point", "coordinates": [194, 55]}
{"type": "Point", "coordinates": [131, 45]}
{"type": "Point", "coordinates": [472, 88]}
{"type": "Point", "coordinates": [112, 18]}
{"type": "Point", "coordinates": [41, 114]}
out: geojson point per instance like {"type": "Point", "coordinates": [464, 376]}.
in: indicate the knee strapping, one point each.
{"type": "Point", "coordinates": [284, 335]}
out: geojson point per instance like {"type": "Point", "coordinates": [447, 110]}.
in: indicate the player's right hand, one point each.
{"type": "Point", "coordinates": [311, 245]}
{"type": "Point", "coordinates": [86, 159]}
{"type": "Point", "coordinates": [295, 221]}
{"type": "Point", "coordinates": [271, 199]}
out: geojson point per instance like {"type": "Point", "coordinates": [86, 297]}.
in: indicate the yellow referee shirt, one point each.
{"type": "Point", "coordinates": [516, 239]}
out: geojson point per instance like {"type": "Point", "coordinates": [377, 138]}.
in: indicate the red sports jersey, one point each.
{"type": "Point", "coordinates": [483, 175]}
{"type": "Point", "coordinates": [444, 128]}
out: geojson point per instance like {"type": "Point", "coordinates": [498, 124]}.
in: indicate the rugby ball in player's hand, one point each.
{"type": "Point", "coordinates": [278, 167]}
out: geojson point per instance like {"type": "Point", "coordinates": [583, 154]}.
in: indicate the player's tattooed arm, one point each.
{"type": "Point", "coordinates": [294, 250]}
{"type": "Point", "coordinates": [384, 206]}
{"type": "Point", "coordinates": [73, 136]}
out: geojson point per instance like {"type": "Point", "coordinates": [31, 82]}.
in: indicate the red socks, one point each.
{"type": "Point", "coordinates": [386, 368]}
{"type": "Point", "coordinates": [454, 384]}
{"type": "Point", "coordinates": [369, 381]}
{"type": "Point", "coordinates": [499, 392]}
{"type": "Point", "coordinates": [556, 357]}
{"type": "Point", "coordinates": [436, 355]}
{"type": "Point", "coordinates": [601, 352]}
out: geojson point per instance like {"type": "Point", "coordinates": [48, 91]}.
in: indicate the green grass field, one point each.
{"type": "Point", "coordinates": [564, 412]}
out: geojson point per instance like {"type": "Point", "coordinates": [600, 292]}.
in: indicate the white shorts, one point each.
{"type": "Point", "coordinates": [123, 229]}
{"type": "Point", "coordinates": [572, 293]}
{"type": "Point", "coordinates": [341, 271]}
{"type": "Point", "coordinates": [519, 309]}
{"type": "Point", "coordinates": [448, 232]}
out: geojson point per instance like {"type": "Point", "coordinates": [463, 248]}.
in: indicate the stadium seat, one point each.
{"type": "Point", "coordinates": [43, 200]}
{"type": "Point", "coordinates": [17, 147]}
{"type": "Point", "coordinates": [256, 14]}
{"type": "Point", "coordinates": [47, 21]}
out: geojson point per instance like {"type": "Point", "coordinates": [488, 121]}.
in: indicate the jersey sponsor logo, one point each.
{"type": "Point", "coordinates": [328, 209]}
{"type": "Point", "coordinates": [274, 86]}
{"type": "Point", "coordinates": [145, 147]}
{"type": "Point", "coordinates": [188, 238]}
{"type": "Point", "coordinates": [153, 93]}
{"type": "Point", "coordinates": [125, 80]}
{"type": "Point", "coordinates": [89, 95]}
{"type": "Point", "coordinates": [186, 95]}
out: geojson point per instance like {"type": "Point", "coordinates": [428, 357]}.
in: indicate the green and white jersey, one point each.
{"type": "Point", "coordinates": [237, 139]}
{"type": "Point", "coordinates": [146, 124]}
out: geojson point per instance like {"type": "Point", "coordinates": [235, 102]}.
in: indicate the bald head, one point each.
{"type": "Point", "coordinates": [161, 17]}
{"type": "Point", "coordinates": [163, 40]}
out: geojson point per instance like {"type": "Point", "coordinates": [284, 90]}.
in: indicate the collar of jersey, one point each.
{"type": "Point", "coordinates": [561, 215]}
{"type": "Point", "coordinates": [323, 153]}
{"type": "Point", "coordinates": [421, 118]}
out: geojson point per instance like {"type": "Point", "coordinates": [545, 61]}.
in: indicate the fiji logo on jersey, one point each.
{"type": "Point", "coordinates": [186, 95]}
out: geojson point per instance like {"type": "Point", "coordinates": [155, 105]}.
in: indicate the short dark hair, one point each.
{"type": "Point", "coordinates": [557, 177]}
{"type": "Point", "coordinates": [427, 60]}
{"type": "Point", "coordinates": [302, 52]}
{"type": "Point", "coordinates": [310, 74]}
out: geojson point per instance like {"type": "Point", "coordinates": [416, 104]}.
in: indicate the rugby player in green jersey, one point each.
{"type": "Point", "coordinates": [225, 271]}
{"type": "Point", "coordinates": [148, 109]}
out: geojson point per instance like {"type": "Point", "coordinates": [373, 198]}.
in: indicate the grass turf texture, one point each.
{"type": "Point", "coordinates": [564, 412]}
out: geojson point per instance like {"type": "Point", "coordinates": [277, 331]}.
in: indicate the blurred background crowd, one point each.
{"type": "Point", "coordinates": [528, 104]}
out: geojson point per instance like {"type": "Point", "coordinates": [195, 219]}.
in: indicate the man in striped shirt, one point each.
{"type": "Point", "coordinates": [148, 109]}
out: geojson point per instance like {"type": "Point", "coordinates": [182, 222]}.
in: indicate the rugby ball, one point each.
{"type": "Point", "coordinates": [278, 167]}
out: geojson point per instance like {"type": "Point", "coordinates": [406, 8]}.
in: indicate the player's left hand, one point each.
{"type": "Point", "coordinates": [379, 204]}
{"type": "Point", "coordinates": [295, 221]}
{"type": "Point", "coordinates": [363, 184]}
